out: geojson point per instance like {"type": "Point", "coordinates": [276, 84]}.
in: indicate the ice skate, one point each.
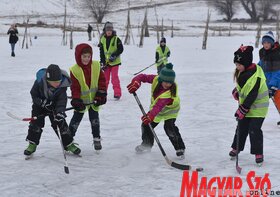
{"type": "Point", "coordinates": [28, 152]}
{"type": "Point", "coordinates": [180, 153]}
{"type": "Point", "coordinates": [259, 160]}
{"type": "Point", "coordinates": [97, 144]}
{"type": "Point", "coordinates": [73, 148]}
{"type": "Point", "coordinates": [232, 154]}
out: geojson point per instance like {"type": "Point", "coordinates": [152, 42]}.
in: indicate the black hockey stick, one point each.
{"type": "Point", "coordinates": [238, 168]}
{"type": "Point", "coordinates": [149, 66]}
{"type": "Point", "coordinates": [170, 162]}
{"type": "Point", "coordinates": [66, 168]}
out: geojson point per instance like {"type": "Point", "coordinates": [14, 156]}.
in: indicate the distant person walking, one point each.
{"type": "Point", "coordinates": [89, 30]}
{"type": "Point", "coordinates": [13, 38]}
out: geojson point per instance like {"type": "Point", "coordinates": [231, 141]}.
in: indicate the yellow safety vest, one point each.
{"type": "Point", "coordinates": [260, 106]}
{"type": "Point", "coordinates": [112, 48]}
{"type": "Point", "coordinates": [162, 55]}
{"type": "Point", "coordinates": [169, 111]}
{"type": "Point", "coordinates": [87, 93]}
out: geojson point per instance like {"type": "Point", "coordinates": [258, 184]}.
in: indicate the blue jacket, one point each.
{"type": "Point", "coordinates": [270, 63]}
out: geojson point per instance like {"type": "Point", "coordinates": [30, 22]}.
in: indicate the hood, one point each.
{"type": "Point", "coordinates": [78, 53]}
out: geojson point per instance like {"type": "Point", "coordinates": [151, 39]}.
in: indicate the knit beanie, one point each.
{"type": "Point", "coordinates": [167, 74]}
{"type": "Point", "coordinates": [268, 37]}
{"type": "Point", "coordinates": [163, 40]}
{"type": "Point", "coordinates": [108, 26]}
{"type": "Point", "coordinates": [53, 73]}
{"type": "Point", "coordinates": [244, 56]}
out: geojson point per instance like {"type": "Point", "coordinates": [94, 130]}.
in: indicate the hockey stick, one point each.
{"type": "Point", "coordinates": [66, 168]}
{"type": "Point", "coordinates": [238, 168]}
{"type": "Point", "coordinates": [278, 123]}
{"type": "Point", "coordinates": [36, 117]}
{"type": "Point", "coordinates": [149, 66]}
{"type": "Point", "coordinates": [169, 162]}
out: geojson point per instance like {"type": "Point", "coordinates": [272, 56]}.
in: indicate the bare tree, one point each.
{"type": "Point", "coordinates": [96, 8]}
{"type": "Point", "coordinates": [260, 8]}
{"type": "Point", "coordinates": [205, 35]}
{"type": "Point", "coordinates": [225, 7]}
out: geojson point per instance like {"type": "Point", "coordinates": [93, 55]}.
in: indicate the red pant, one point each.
{"type": "Point", "coordinates": [115, 79]}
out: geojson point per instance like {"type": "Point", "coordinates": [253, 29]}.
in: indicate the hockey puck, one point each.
{"type": "Point", "coordinates": [199, 169]}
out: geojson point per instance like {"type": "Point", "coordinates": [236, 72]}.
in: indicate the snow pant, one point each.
{"type": "Point", "coordinates": [251, 126]}
{"type": "Point", "coordinates": [36, 127]}
{"type": "Point", "coordinates": [113, 70]}
{"type": "Point", "coordinates": [277, 100]}
{"type": "Point", "coordinates": [171, 131]}
{"type": "Point", "coordinates": [13, 47]}
{"type": "Point", "coordinates": [94, 121]}
{"type": "Point", "coordinates": [159, 68]}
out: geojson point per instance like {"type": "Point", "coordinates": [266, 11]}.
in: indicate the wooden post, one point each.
{"type": "Point", "coordinates": [127, 36]}
{"type": "Point", "coordinates": [259, 31]}
{"type": "Point", "coordinates": [25, 36]}
{"type": "Point", "coordinates": [172, 30]}
{"type": "Point", "coordinates": [146, 26]}
{"type": "Point", "coordinates": [162, 30]}
{"type": "Point", "coordinates": [64, 39]}
{"type": "Point", "coordinates": [157, 28]}
{"type": "Point", "coordinates": [205, 35]}
{"type": "Point", "coordinates": [229, 31]}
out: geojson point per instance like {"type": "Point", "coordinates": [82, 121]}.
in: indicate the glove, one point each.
{"type": "Point", "coordinates": [272, 91]}
{"type": "Point", "coordinates": [133, 86]}
{"type": "Point", "coordinates": [78, 104]}
{"type": "Point", "coordinates": [112, 58]}
{"type": "Point", "coordinates": [59, 118]}
{"type": "Point", "coordinates": [47, 104]}
{"type": "Point", "coordinates": [147, 119]}
{"type": "Point", "coordinates": [235, 94]}
{"type": "Point", "coordinates": [100, 97]}
{"type": "Point", "coordinates": [103, 66]}
{"type": "Point", "coordinates": [241, 112]}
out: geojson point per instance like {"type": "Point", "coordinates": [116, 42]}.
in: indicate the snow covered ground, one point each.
{"type": "Point", "coordinates": [206, 124]}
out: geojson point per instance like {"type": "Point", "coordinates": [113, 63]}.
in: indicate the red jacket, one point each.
{"type": "Point", "coordinates": [75, 87]}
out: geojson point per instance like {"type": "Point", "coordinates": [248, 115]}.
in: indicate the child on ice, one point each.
{"type": "Point", "coordinates": [49, 99]}
{"type": "Point", "coordinates": [165, 105]}
{"type": "Point", "coordinates": [252, 94]}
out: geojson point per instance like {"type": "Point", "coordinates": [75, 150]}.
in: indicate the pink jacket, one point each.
{"type": "Point", "coordinates": [161, 103]}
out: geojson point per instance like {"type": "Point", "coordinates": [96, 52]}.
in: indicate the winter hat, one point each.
{"type": "Point", "coordinates": [163, 40]}
{"type": "Point", "coordinates": [53, 73]}
{"type": "Point", "coordinates": [244, 55]}
{"type": "Point", "coordinates": [268, 37]}
{"type": "Point", "coordinates": [167, 74]}
{"type": "Point", "coordinates": [108, 26]}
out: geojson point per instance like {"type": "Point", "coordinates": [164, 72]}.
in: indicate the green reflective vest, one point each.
{"type": "Point", "coordinates": [112, 48]}
{"type": "Point", "coordinates": [169, 111]}
{"type": "Point", "coordinates": [162, 56]}
{"type": "Point", "coordinates": [87, 93]}
{"type": "Point", "coordinates": [260, 106]}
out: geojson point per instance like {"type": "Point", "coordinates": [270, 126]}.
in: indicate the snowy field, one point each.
{"type": "Point", "coordinates": [206, 124]}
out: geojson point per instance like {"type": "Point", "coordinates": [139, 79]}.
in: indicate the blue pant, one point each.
{"type": "Point", "coordinates": [13, 46]}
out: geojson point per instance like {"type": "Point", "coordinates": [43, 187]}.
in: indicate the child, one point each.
{"type": "Point", "coordinates": [270, 63]}
{"type": "Point", "coordinates": [13, 38]}
{"type": "Point", "coordinates": [50, 99]}
{"type": "Point", "coordinates": [165, 105]}
{"type": "Point", "coordinates": [162, 53]}
{"type": "Point", "coordinates": [111, 48]}
{"type": "Point", "coordinates": [88, 86]}
{"type": "Point", "coordinates": [252, 94]}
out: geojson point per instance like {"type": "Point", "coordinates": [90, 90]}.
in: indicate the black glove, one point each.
{"type": "Point", "coordinates": [272, 91]}
{"type": "Point", "coordinates": [59, 118]}
{"type": "Point", "coordinates": [47, 104]}
{"type": "Point", "coordinates": [78, 104]}
{"type": "Point", "coordinates": [100, 97]}
{"type": "Point", "coordinates": [103, 66]}
{"type": "Point", "coordinates": [113, 57]}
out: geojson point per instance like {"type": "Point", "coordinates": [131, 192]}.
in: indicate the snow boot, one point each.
{"type": "Point", "coordinates": [233, 153]}
{"type": "Point", "coordinates": [143, 148]}
{"type": "Point", "coordinates": [117, 98]}
{"type": "Point", "coordinates": [13, 54]}
{"type": "Point", "coordinates": [97, 143]}
{"type": "Point", "coordinates": [259, 159]}
{"type": "Point", "coordinates": [73, 148]}
{"type": "Point", "coordinates": [180, 153]}
{"type": "Point", "coordinates": [30, 149]}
